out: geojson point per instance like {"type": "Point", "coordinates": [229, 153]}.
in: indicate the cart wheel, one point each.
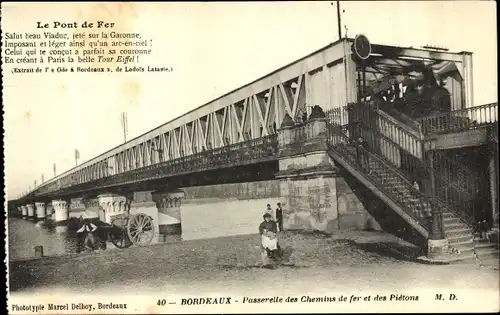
{"type": "Point", "coordinates": [140, 229]}
{"type": "Point", "coordinates": [119, 238]}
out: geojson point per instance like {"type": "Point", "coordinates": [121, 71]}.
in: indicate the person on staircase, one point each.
{"type": "Point", "coordinates": [362, 150]}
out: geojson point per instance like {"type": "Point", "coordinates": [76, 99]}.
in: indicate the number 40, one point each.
{"type": "Point", "coordinates": [161, 302]}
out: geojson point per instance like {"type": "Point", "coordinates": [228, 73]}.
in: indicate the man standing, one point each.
{"type": "Point", "coordinates": [279, 216]}
{"type": "Point", "coordinates": [89, 229]}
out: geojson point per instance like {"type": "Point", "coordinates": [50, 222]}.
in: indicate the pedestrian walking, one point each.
{"type": "Point", "coordinates": [279, 216]}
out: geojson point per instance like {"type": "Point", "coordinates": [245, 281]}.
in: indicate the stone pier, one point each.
{"type": "Point", "coordinates": [61, 211]}
{"type": "Point", "coordinates": [316, 196]}
{"type": "Point", "coordinates": [49, 210]}
{"type": "Point", "coordinates": [40, 210]}
{"type": "Point", "coordinates": [142, 202]}
{"type": "Point", "coordinates": [24, 210]}
{"type": "Point", "coordinates": [76, 208]}
{"type": "Point", "coordinates": [113, 205]}
{"type": "Point", "coordinates": [92, 210]}
{"type": "Point", "coordinates": [169, 211]}
{"type": "Point", "coordinates": [31, 210]}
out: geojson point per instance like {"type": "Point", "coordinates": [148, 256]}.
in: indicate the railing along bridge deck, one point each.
{"type": "Point", "coordinates": [243, 153]}
{"type": "Point", "coordinates": [458, 120]}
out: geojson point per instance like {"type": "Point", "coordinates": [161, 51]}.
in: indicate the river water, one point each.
{"type": "Point", "coordinates": [200, 220]}
{"type": "Point", "coordinates": [25, 235]}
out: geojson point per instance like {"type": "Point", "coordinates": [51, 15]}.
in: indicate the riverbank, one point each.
{"type": "Point", "coordinates": [348, 258]}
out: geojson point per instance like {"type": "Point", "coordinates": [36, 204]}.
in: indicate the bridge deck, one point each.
{"type": "Point", "coordinates": [255, 110]}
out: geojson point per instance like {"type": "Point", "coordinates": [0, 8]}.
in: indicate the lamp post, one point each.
{"type": "Point", "coordinates": [338, 20]}
{"type": "Point", "coordinates": [436, 232]}
{"type": "Point", "coordinates": [339, 23]}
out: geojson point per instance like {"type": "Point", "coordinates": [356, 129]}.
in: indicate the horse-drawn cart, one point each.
{"type": "Point", "coordinates": [128, 229]}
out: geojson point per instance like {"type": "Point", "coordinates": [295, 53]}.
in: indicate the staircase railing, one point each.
{"type": "Point", "coordinates": [341, 144]}
{"type": "Point", "coordinates": [459, 193]}
{"type": "Point", "coordinates": [402, 117]}
{"type": "Point", "coordinates": [460, 119]}
{"type": "Point", "coordinates": [404, 151]}
{"type": "Point", "coordinates": [463, 176]}
{"type": "Point", "coordinates": [430, 178]}
{"type": "Point", "coordinates": [364, 113]}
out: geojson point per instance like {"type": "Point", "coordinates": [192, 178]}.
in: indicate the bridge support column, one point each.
{"type": "Point", "coordinates": [308, 175]}
{"type": "Point", "coordinates": [24, 210]}
{"type": "Point", "coordinates": [40, 210]}
{"type": "Point", "coordinates": [76, 207]}
{"type": "Point", "coordinates": [61, 211]}
{"type": "Point", "coordinates": [31, 210]}
{"type": "Point", "coordinates": [113, 205]}
{"type": "Point", "coordinates": [169, 211]}
{"type": "Point", "coordinates": [49, 210]}
{"type": "Point", "coordinates": [143, 203]}
{"type": "Point", "coordinates": [92, 208]}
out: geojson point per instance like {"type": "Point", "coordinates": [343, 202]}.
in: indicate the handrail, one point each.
{"type": "Point", "coordinates": [398, 115]}
{"type": "Point", "coordinates": [366, 122]}
{"type": "Point", "coordinates": [412, 167]}
{"type": "Point", "coordinates": [339, 142]}
{"type": "Point", "coordinates": [192, 161]}
{"type": "Point", "coordinates": [418, 163]}
{"type": "Point", "coordinates": [432, 200]}
{"type": "Point", "coordinates": [454, 196]}
{"type": "Point", "coordinates": [460, 119]}
{"type": "Point", "coordinates": [363, 112]}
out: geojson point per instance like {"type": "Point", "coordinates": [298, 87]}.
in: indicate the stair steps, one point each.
{"type": "Point", "coordinates": [451, 220]}
{"type": "Point", "coordinates": [485, 249]}
{"type": "Point", "coordinates": [462, 247]}
{"type": "Point", "coordinates": [459, 239]}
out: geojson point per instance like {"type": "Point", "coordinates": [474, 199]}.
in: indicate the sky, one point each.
{"type": "Point", "coordinates": [213, 48]}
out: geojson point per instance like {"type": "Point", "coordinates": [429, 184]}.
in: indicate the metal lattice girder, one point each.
{"type": "Point", "coordinates": [256, 116]}
{"type": "Point", "coordinates": [255, 110]}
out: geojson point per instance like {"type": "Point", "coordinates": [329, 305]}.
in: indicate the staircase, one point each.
{"type": "Point", "coordinates": [459, 236]}
{"type": "Point", "coordinates": [398, 193]}
{"type": "Point", "coordinates": [485, 249]}
{"type": "Point", "coordinates": [457, 231]}
{"type": "Point", "coordinates": [393, 184]}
